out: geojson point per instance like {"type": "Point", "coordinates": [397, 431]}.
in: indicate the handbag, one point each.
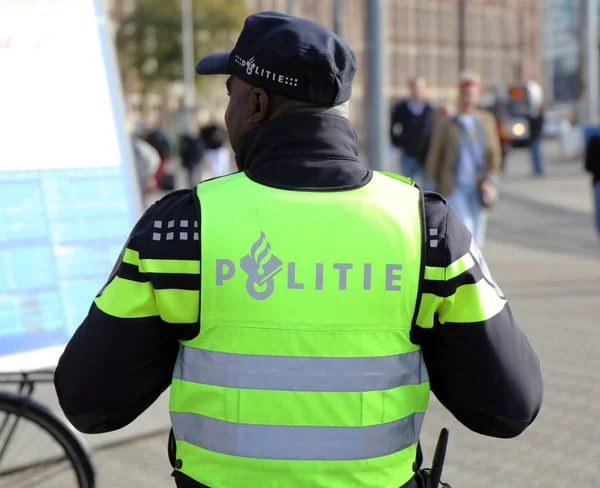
{"type": "Point", "coordinates": [165, 178]}
{"type": "Point", "coordinates": [167, 182]}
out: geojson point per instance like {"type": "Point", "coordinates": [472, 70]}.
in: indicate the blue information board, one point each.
{"type": "Point", "coordinates": [68, 194]}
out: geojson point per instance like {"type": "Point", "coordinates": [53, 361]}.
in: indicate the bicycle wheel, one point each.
{"type": "Point", "coordinates": [38, 450]}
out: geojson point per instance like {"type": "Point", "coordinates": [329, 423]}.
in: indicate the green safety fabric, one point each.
{"type": "Point", "coordinates": [303, 373]}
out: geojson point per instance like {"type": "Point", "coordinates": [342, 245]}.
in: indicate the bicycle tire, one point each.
{"type": "Point", "coordinates": [74, 450]}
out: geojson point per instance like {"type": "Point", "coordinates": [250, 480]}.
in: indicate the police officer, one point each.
{"type": "Point", "coordinates": [302, 308]}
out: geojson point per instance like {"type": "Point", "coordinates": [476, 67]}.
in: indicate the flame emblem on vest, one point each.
{"type": "Point", "coordinates": [261, 266]}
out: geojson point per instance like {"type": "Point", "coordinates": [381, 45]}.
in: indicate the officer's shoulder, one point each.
{"type": "Point", "coordinates": [447, 238]}
{"type": "Point", "coordinates": [170, 205]}
{"type": "Point", "coordinates": [169, 228]}
{"type": "Point", "coordinates": [436, 207]}
{"type": "Point", "coordinates": [433, 196]}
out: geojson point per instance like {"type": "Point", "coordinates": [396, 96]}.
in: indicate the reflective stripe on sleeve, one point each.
{"type": "Point", "coordinates": [178, 306]}
{"type": "Point", "coordinates": [188, 266]}
{"type": "Point", "coordinates": [127, 299]}
{"type": "Point", "coordinates": [453, 270]}
{"type": "Point", "coordinates": [471, 303]}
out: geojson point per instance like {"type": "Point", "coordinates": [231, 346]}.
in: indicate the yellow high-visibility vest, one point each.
{"type": "Point", "coordinates": [303, 373]}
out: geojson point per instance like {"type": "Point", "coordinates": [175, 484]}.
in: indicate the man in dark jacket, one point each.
{"type": "Point", "coordinates": [295, 146]}
{"type": "Point", "coordinates": [158, 139]}
{"type": "Point", "coordinates": [592, 166]}
{"type": "Point", "coordinates": [191, 152]}
{"type": "Point", "coordinates": [536, 126]}
{"type": "Point", "coordinates": [411, 128]}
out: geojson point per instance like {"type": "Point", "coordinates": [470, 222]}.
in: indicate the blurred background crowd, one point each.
{"type": "Point", "coordinates": [528, 58]}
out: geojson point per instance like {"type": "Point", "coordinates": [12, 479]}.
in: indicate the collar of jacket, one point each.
{"type": "Point", "coordinates": [299, 136]}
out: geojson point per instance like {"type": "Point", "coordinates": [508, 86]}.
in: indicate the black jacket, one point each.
{"type": "Point", "coordinates": [483, 370]}
{"type": "Point", "coordinates": [592, 157]}
{"type": "Point", "coordinates": [412, 133]}
{"type": "Point", "coordinates": [191, 150]}
{"type": "Point", "coordinates": [214, 136]}
{"type": "Point", "coordinates": [536, 126]}
{"type": "Point", "coordinates": [159, 141]}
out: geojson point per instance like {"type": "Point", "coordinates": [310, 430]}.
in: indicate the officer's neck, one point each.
{"type": "Point", "coordinates": [299, 135]}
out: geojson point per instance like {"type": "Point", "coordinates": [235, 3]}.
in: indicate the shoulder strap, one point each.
{"type": "Point", "coordinates": [398, 177]}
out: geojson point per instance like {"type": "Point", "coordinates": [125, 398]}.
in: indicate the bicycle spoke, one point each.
{"type": "Point", "coordinates": [6, 442]}
{"type": "Point", "coordinates": [57, 473]}
{"type": "Point", "coordinates": [31, 458]}
{"type": "Point", "coordinates": [37, 449]}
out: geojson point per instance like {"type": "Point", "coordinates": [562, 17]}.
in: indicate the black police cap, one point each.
{"type": "Point", "coordinates": [289, 56]}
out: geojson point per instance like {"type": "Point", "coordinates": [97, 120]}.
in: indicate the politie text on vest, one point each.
{"type": "Point", "coordinates": [261, 266]}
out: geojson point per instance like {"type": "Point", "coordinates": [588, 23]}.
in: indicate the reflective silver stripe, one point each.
{"type": "Point", "coordinates": [257, 372]}
{"type": "Point", "coordinates": [297, 443]}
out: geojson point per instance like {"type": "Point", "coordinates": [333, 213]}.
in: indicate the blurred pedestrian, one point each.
{"type": "Point", "coordinates": [145, 157]}
{"type": "Point", "coordinates": [216, 152]}
{"type": "Point", "coordinates": [158, 139]}
{"type": "Point", "coordinates": [191, 152]}
{"type": "Point", "coordinates": [147, 161]}
{"type": "Point", "coordinates": [442, 112]}
{"type": "Point", "coordinates": [465, 159]}
{"type": "Point", "coordinates": [504, 137]}
{"type": "Point", "coordinates": [592, 165]}
{"type": "Point", "coordinates": [536, 125]}
{"type": "Point", "coordinates": [411, 128]}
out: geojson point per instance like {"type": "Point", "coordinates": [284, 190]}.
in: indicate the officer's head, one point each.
{"type": "Point", "coordinates": [281, 64]}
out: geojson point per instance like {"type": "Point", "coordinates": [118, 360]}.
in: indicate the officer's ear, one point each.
{"type": "Point", "coordinates": [260, 100]}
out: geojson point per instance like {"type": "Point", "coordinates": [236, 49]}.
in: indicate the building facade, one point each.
{"type": "Point", "coordinates": [502, 41]}
{"type": "Point", "coordinates": [561, 50]}
{"type": "Point", "coordinates": [563, 38]}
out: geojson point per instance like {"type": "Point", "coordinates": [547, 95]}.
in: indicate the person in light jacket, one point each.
{"type": "Point", "coordinates": [465, 159]}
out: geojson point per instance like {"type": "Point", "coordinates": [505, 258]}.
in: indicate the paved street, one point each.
{"type": "Point", "coordinates": [544, 253]}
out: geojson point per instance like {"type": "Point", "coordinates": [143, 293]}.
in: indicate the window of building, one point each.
{"type": "Point", "coordinates": [493, 73]}
{"type": "Point", "coordinates": [434, 79]}
{"type": "Point", "coordinates": [447, 22]}
{"type": "Point", "coordinates": [423, 18]}
{"type": "Point", "coordinates": [475, 26]}
{"type": "Point", "coordinates": [354, 15]}
{"type": "Point", "coordinates": [400, 67]}
{"type": "Point", "coordinates": [510, 27]}
{"type": "Point", "coordinates": [493, 28]}
{"type": "Point", "coordinates": [426, 59]}
{"type": "Point", "coordinates": [399, 17]}
{"type": "Point", "coordinates": [447, 68]}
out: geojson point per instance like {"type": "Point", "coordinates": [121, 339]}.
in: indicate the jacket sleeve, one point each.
{"type": "Point", "coordinates": [592, 154]}
{"type": "Point", "coordinates": [395, 121]}
{"type": "Point", "coordinates": [436, 151]}
{"type": "Point", "coordinates": [121, 358]}
{"type": "Point", "coordinates": [493, 150]}
{"type": "Point", "coordinates": [425, 140]}
{"type": "Point", "coordinates": [481, 366]}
